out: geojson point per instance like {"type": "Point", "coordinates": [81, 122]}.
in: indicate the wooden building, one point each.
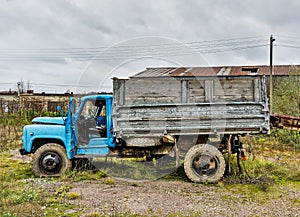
{"type": "Point", "coordinates": [12, 102]}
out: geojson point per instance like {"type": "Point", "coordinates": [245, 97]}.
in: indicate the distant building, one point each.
{"type": "Point", "coordinates": [278, 70]}
{"type": "Point", "coordinates": [12, 102]}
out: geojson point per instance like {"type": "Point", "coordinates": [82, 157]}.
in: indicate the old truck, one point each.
{"type": "Point", "coordinates": [151, 115]}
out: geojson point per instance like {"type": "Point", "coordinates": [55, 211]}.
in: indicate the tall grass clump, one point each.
{"type": "Point", "coordinates": [11, 126]}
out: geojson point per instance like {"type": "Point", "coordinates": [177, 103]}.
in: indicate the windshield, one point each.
{"type": "Point", "coordinates": [91, 108]}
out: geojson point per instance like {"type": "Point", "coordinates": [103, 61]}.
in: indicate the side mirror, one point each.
{"type": "Point", "coordinates": [59, 109]}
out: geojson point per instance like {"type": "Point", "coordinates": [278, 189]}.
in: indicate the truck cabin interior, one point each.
{"type": "Point", "coordinates": [92, 121]}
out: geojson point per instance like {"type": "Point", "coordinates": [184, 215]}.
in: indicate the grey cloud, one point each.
{"type": "Point", "coordinates": [37, 24]}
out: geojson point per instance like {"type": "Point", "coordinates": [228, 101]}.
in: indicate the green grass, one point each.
{"type": "Point", "coordinates": [25, 195]}
{"type": "Point", "coordinates": [85, 175]}
{"type": "Point", "coordinates": [21, 196]}
{"type": "Point", "coordinates": [274, 163]}
{"type": "Point", "coordinates": [137, 169]}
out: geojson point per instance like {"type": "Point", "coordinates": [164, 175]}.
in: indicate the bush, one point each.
{"type": "Point", "coordinates": [286, 136]}
{"type": "Point", "coordinates": [286, 95]}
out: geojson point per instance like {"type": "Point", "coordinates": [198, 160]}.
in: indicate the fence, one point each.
{"type": "Point", "coordinates": [17, 111]}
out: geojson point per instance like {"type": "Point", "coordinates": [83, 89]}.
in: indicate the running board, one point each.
{"type": "Point", "coordinates": [92, 150]}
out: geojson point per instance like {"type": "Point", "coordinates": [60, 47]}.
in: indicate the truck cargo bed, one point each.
{"type": "Point", "coordinates": [189, 106]}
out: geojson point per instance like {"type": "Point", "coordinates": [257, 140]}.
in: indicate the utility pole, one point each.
{"type": "Point", "coordinates": [271, 72]}
{"type": "Point", "coordinates": [19, 95]}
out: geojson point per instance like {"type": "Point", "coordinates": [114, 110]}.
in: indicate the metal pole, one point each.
{"type": "Point", "coordinates": [19, 96]}
{"type": "Point", "coordinates": [271, 72]}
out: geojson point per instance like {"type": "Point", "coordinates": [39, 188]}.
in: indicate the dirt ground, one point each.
{"type": "Point", "coordinates": [162, 198]}
{"type": "Point", "coordinates": [176, 198]}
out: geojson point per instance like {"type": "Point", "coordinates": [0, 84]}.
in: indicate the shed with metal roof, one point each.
{"type": "Point", "coordinates": [278, 70]}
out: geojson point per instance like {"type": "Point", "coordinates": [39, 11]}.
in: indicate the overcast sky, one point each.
{"type": "Point", "coordinates": [78, 45]}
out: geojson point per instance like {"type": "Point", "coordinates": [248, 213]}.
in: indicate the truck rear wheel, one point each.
{"type": "Point", "coordinates": [204, 163]}
{"type": "Point", "coordinates": [50, 160]}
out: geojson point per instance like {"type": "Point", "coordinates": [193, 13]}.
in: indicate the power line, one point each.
{"type": "Point", "coordinates": [165, 50]}
{"type": "Point", "coordinates": [137, 46]}
{"type": "Point", "coordinates": [133, 47]}
{"type": "Point", "coordinates": [289, 37]}
{"type": "Point", "coordinates": [130, 49]}
{"type": "Point", "coordinates": [130, 54]}
{"type": "Point", "coordinates": [7, 83]}
{"type": "Point", "coordinates": [287, 46]}
{"type": "Point", "coordinates": [117, 50]}
{"type": "Point", "coordinates": [125, 51]}
{"type": "Point", "coordinates": [288, 41]}
{"type": "Point", "coordinates": [57, 85]}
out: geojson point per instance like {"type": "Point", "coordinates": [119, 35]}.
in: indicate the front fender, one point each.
{"type": "Point", "coordinates": [32, 133]}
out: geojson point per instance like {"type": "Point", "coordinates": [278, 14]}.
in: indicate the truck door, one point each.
{"type": "Point", "coordinates": [70, 129]}
{"type": "Point", "coordinates": [91, 123]}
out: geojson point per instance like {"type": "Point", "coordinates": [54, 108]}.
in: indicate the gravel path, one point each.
{"type": "Point", "coordinates": [161, 198]}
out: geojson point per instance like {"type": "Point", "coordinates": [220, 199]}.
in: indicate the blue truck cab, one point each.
{"type": "Point", "coordinates": [87, 130]}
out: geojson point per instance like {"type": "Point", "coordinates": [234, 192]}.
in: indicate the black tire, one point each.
{"type": "Point", "coordinates": [50, 160]}
{"type": "Point", "coordinates": [204, 163]}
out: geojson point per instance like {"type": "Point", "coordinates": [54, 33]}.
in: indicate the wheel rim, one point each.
{"type": "Point", "coordinates": [205, 165]}
{"type": "Point", "coordinates": [51, 162]}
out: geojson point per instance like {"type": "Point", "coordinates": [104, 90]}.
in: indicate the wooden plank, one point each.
{"type": "Point", "coordinates": [193, 118]}
{"type": "Point", "coordinates": [196, 91]}
{"type": "Point", "coordinates": [285, 121]}
{"type": "Point", "coordinates": [256, 90]}
{"type": "Point", "coordinates": [234, 90]}
{"type": "Point", "coordinates": [152, 91]}
{"type": "Point", "coordinates": [184, 91]}
{"type": "Point", "coordinates": [208, 90]}
{"type": "Point", "coordinates": [190, 106]}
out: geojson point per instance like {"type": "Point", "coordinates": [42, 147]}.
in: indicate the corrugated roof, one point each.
{"type": "Point", "coordinates": [278, 70]}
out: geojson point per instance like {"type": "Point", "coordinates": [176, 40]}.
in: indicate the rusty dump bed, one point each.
{"type": "Point", "coordinates": [284, 121]}
{"type": "Point", "coordinates": [190, 106]}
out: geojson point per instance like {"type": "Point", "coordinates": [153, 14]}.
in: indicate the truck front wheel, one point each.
{"type": "Point", "coordinates": [204, 163]}
{"type": "Point", "coordinates": [50, 160]}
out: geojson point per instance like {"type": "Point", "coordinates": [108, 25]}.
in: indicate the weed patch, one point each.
{"type": "Point", "coordinates": [21, 195]}
{"type": "Point", "coordinates": [109, 181]}
{"type": "Point", "coordinates": [83, 175]}
{"type": "Point", "coordinates": [72, 195]}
